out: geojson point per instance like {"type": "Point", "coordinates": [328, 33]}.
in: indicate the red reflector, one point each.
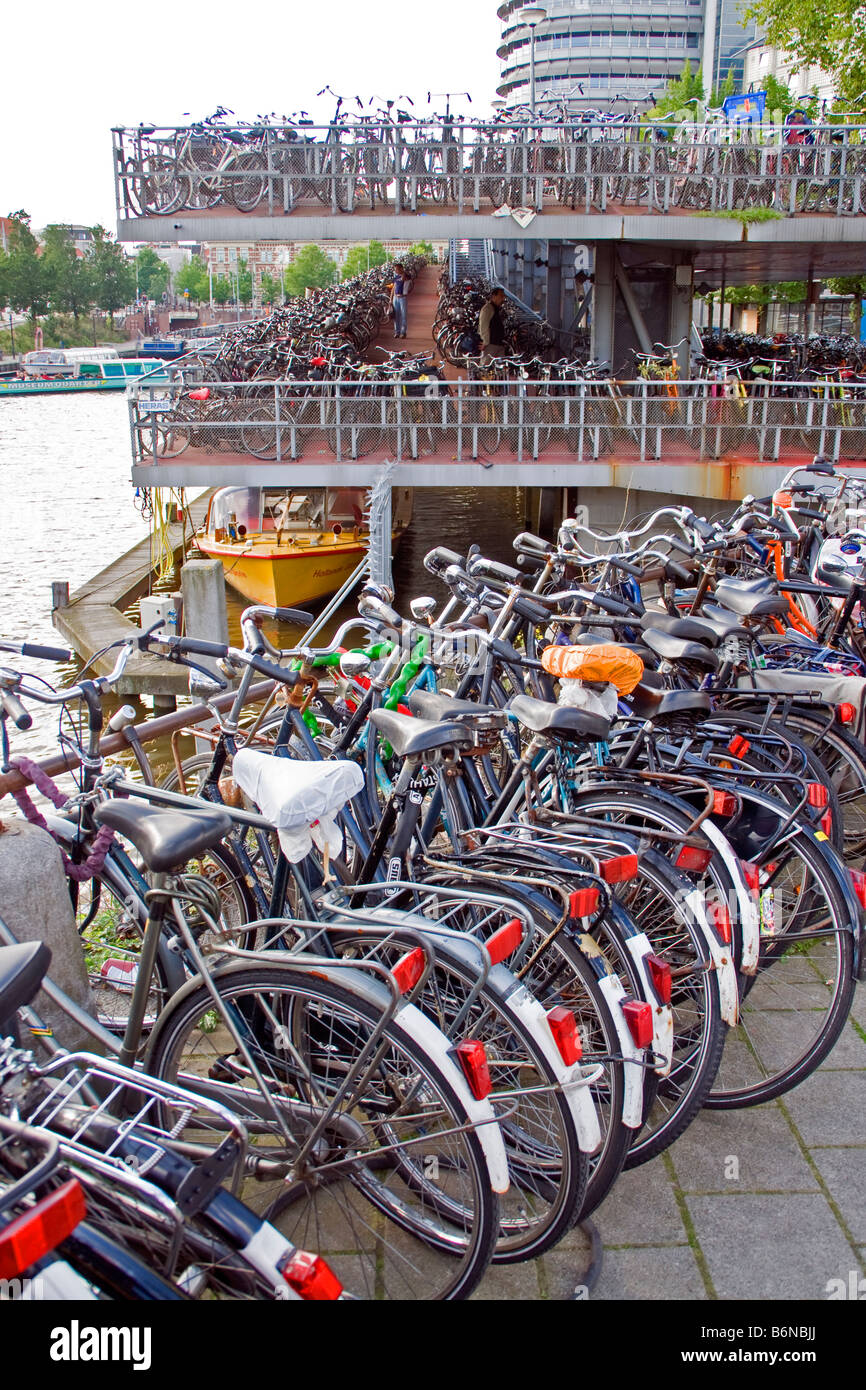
{"type": "Point", "coordinates": [311, 1277]}
{"type": "Point", "coordinates": [563, 1026]}
{"type": "Point", "coordinates": [818, 794]}
{"type": "Point", "coordinates": [583, 903]}
{"type": "Point", "coordinates": [847, 713]}
{"type": "Point", "coordinates": [639, 1017]}
{"type": "Point", "coordinates": [827, 823]}
{"type": "Point", "coordinates": [505, 941]}
{"type": "Point", "coordinates": [201, 393]}
{"type": "Point", "coordinates": [660, 974]}
{"type": "Point", "coordinates": [739, 746]}
{"type": "Point", "coordinates": [620, 869]}
{"type": "Point", "coordinates": [724, 803]}
{"type": "Point", "coordinates": [41, 1229]}
{"type": "Point", "coordinates": [752, 875]}
{"type": "Point", "coordinates": [473, 1061]}
{"type": "Point", "coordinates": [693, 857]}
{"type": "Point", "coordinates": [858, 883]}
{"type": "Point", "coordinates": [409, 969]}
{"type": "Point", "coordinates": [721, 920]}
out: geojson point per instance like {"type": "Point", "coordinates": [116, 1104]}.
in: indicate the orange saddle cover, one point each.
{"type": "Point", "coordinates": [605, 662]}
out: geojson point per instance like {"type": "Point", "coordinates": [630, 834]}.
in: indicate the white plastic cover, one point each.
{"type": "Point", "coordinates": [299, 799]}
{"type": "Point", "coordinates": [579, 696]}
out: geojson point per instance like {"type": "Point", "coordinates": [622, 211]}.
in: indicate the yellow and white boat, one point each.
{"type": "Point", "coordinates": [286, 547]}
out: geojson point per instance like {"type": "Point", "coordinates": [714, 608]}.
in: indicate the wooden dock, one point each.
{"type": "Point", "coordinates": [94, 616]}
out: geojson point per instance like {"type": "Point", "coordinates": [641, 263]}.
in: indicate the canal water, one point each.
{"type": "Point", "coordinates": [67, 509]}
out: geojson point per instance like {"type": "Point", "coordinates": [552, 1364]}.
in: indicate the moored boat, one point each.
{"type": "Point", "coordinates": [286, 546]}
{"type": "Point", "coordinates": [109, 374]}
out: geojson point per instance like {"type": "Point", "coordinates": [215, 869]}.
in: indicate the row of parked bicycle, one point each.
{"type": "Point", "coordinates": [481, 906]}
{"type": "Point", "coordinates": [391, 158]}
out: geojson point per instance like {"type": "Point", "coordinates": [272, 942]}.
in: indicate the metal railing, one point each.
{"type": "Point", "coordinates": [463, 420]}
{"type": "Point", "coordinates": [585, 166]}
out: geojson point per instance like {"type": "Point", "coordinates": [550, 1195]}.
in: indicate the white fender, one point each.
{"type": "Point", "coordinates": [639, 947]}
{"type": "Point", "coordinates": [747, 908]}
{"type": "Point", "coordinates": [722, 958]}
{"type": "Point", "coordinates": [632, 1116]}
{"type": "Point", "coordinates": [430, 1039]}
{"type": "Point", "coordinates": [573, 1079]}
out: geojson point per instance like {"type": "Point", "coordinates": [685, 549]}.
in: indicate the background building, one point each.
{"type": "Point", "coordinates": [763, 61]}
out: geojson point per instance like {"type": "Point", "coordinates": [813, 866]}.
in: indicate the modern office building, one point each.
{"type": "Point", "coordinates": [594, 52]}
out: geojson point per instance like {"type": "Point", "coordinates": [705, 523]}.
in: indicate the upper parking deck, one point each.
{"type": "Point", "coordinates": [565, 179]}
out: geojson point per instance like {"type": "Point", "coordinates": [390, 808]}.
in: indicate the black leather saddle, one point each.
{"type": "Point", "coordinates": [409, 736]}
{"type": "Point", "coordinates": [559, 721]}
{"type": "Point", "coordinates": [165, 839]}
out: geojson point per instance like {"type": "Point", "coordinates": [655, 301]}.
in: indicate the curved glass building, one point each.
{"type": "Point", "coordinates": [593, 52]}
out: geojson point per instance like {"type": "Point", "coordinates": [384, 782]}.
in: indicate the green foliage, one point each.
{"type": "Point", "coordinates": [363, 257]}
{"type": "Point", "coordinates": [727, 89]}
{"type": "Point", "coordinates": [193, 277]}
{"type": "Point", "coordinates": [685, 90]}
{"type": "Point", "coordinates": [222, 290]}
{"type": "Point", "coordinates": [62, 329]}
{"type": "Point", "coordinates": [831, 35]}
{"type": "Point", "coordinates": [272, 292]}
{"type": "Point", "coordinates": [153, 274]}
{"type": "Point", "coordinates": [73, 282]}
{"type": "Point", "coordinates": [244, 282]}
{"type": "Point", "coordinates": [778, 98]}
{"type": "Point", "coordinates": [421, 248]}
{"type": "Point", "coordinates": [784, 292]}
{"type": "Point", "coordinates": [25, 276]}
{"type": "Point", "coordinates": [744, 215]}
{"type": "Point", "coordinates": [311, 267]}
{"type": "Point", "coordinates": [113, 273]}
{"type": "Point", "coordinates": [854, 285]}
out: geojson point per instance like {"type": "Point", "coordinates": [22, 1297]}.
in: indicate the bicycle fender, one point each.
{"type": "Point", "coordinates": [639, 948]}
{"type": "Point", "coordinates": [747, 908]}
{"type": "Point", "coordinates": [721, 956]}
{"type": "Point", "coordinates": [632, 1110]}
{"type": "Point", "coordinates": [574, 1080]}
{"type": "Point", "coordinates": [265, 1251]}
{"type": "Point", "coordinates": [425, 1033]}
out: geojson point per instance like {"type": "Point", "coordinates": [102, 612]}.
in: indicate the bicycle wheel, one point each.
{"type": "Point", "coordinates": [793, 1010]}
{"type": "Point", "coordinates": [548, 1171]}
{"type": "Point", "coordinates": [259, 432]}
{"type": "Point", "coordinates": [162, 188]}
{"type": "Point", "coordinates": [367, 1195]}
{"type": "Point", "coordinates": [171, 440]}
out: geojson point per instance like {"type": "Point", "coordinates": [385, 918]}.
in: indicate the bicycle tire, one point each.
{"type": "Point", "coordinates": [307, 1012]}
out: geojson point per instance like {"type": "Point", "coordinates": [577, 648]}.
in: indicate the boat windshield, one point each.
{"type": "Point", "coordinates": [240, 505]}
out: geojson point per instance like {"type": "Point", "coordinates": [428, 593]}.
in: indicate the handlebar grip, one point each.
{"type": "Point", "coordinates": [614, 607]}
{"type": "Point", "coordinates": [15, 710]}
{"type": "Point", "coordinates": [492, 569]}
{"type": "Point", "coordinates": [528, 541]}
{"type": "Point", "coordinates": [677, 543]}
{"type": "Point", "coordinates": [45, 653]}
{"type": "Point", "coordinates": [675, 571]}
{"type": "Point", "coordinates": [196, 647]}
{"type": "Point", "coordinates": [703, 528]}
{"type": "Point", "coordinates": [807, 511]}
{"type": "Point", "coordinates": [531, 560]}
{"type": "Point", "coordinates": [624, 565]}
{"type": "Point", "coordinates": [437, 560]}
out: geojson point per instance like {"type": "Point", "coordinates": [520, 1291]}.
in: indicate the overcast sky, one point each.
{"type": "Point", "coordinates": [73, 70]}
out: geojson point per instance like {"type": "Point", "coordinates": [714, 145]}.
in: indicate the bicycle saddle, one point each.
{"type": "Point", "coordinates": [690, 629]}
{"type": "Point", "coordinates": [559, 721]}
{"type": "Point", "coordinates": [649, 703]}
{"type": "Point", "coordinates": [721, 622]}
{"type": "Point", "coordinates": [408, 735]}
{"type": "Point", "coordinates": [165, 839]}
{"type": "Point", "coordinates": [432, 705]}
{"type": "Point", "coordinates": [671, 648]}
{"type": "Point", "coordinates": [748, 602]}
{"type": "Point", "coordinates": [22, 968]}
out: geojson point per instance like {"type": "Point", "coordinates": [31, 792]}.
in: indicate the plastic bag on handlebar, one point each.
{"type": "Point", "coordinates": [608, 663]}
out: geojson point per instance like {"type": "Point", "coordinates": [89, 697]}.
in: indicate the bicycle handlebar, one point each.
{"type": "Point", "coordinates": [38, 653]}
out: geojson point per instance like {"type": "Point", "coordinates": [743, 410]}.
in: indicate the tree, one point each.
{"type": "Point", "coordinates": [222, 290]}
{"type": "Point", "coordinates": [310, 267]}
{"type": "Point", "coordinates": [25, 275]}
{"type": "Point", "coordinates": [685, 90]}
{"type": "Point", "coordinates": [271, 289]}
{"type": "Point", "coordinates": [244, 282]}
{"type": "Point", "coordinates": [727, 89]}
{"type": "Point", "coordinates": [363, 257]}
{"type": "Point", "coordinates": [72, 276]}
{"type": "Point", "coordinates": [193, 277]}
{"type": "Point", "coordinates": [831, 35]}
{"type": "Point", "coordinates": [113, 274]}
{"type": "Point", "coordinates": [850, 284]}
{"type": "Point", "coordinates": [422, 248]}
{"type": "Point", "coordinates": [152, 273]}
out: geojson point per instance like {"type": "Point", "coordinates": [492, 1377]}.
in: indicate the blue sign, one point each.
{"type": "Point", "coordinates": [748, 106]}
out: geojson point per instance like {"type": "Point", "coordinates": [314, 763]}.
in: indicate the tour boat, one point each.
{"type": "Point", "coordinates": [288, 546]}
{"type": "Point", "coordinates": [91, 374]}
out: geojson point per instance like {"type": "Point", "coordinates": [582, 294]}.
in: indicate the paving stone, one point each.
{"type": "Point", "coordinates": [767, 1154]}
{"type": "Point", "coordinates": [829, 1107]}
{"type": "Point", "coordinates": [738, 1066]}
{"type": "Point", "coordinates": [843, 1171]}
{"type": "Point", "coordinates": [567, 1267]}
{"type": "Point", "coordinates": [640, 1209]}
{"type": "Point", "coordinates": [770, 1247]}
{"type": "Point", "coordinates": [654, 1273]}
{"type": "Point", "coordinates": [849, 1052]}
{"type": "Point", "coordinates": [504, 1283]}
